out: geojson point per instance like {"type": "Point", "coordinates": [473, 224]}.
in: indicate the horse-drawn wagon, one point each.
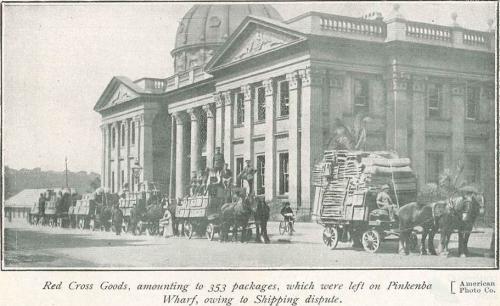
{"type": "Point", "coordinates": [84, 211]}
{"type": "Point", "coordinates": [347, 184]}
{"type": "Point", "coordinates": [51, 209]}
{"type": "Point", "coordinates": [34, 216]}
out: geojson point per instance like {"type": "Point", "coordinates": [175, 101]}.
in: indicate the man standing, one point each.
{"type": "Point", "coordinates": [261, 218]}
{"type": "Point", "coordinates": [227, 176]}
{"type": "Point", "coordinates": [117, 218]}
{"type": "Point", "coordinates": [384, 201]}
{"type": "Point", "coordinates": [247, 175]}
{"type": "Point", "coordinates": [218, 162]}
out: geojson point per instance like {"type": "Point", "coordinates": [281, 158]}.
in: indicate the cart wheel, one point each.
{"type": "Point", "coordinates": [188, 229]}
{"type": "Point", "coordinates": [413, 242]}
{"type": "Point", "coordinates": [51, 222]}
{"type": "Point", "coordinates": [330, 237]}
{"type": "Point", "coordinates": [210, 232]}
{"type": "Point", "coordinates": [371, 241]}
{"type": "Point", "coordinates": [282, 228]}
{"type": "Point", "coordinates": [81, 224]}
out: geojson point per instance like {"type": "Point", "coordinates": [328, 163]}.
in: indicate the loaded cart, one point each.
{"type": "Point", "coordinates": [346, 188]}
{"type": "Point", "coordinates": [199, 214]}
{"type": "Point", "coordinates": [84, 211]}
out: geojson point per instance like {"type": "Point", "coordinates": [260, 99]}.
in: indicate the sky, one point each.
{"type": "Point", "coordinates": [58, 58]}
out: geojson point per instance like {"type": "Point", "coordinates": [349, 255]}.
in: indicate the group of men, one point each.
{"type": "Point", "coordinates": [202, 183]}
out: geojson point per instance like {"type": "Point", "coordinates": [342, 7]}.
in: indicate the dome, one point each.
{"type": "Point", "coordinates": [206, 26]}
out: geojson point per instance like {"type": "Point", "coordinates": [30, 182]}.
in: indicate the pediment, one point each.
{"type": "Point", "coordinates": [255, 37]}
{"type": "Point", "coordinates": [122, 94]}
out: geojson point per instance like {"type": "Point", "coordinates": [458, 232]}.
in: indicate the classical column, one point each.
{"type": "Point", "coordinates": [103, 156]}
{"type": "Point", "coordinates": [293, 140]}
{"type": "Point", "coordinates": [146, 145]}
{"type": "Point", "coordinates": [209, 109]}
{"type": "Point", "coordinates": [397, 112]}
{"type": "Point", "coordinates": [137, 126]}
{"type": "Point", "coordinates": [248, 126]}
{"type": "Point", "coordinates": [219, 121]}
{"type": "Point", "coordinates": [127, 153]}
{"type": "Point", "coordinates": [336, 101]}
{"type": "Point", "coordinates": [180, 120]}
{"type": "Point", "coordinates": [116, 186]}
{"type": "Point", "coordinates": [457, 123]}
{"type": "Point", "coordinates": [108, 155]}
{"type": "Point", "coordinates": [228, 129]}
{"type": "Point", "coordinates": [195, 140]}
{"type": "Point", "coordinates": [418, 112]}
{"type": "Point", "coordinates": [311, 137]}
{"type": "Point", "coordinates": [270, 142]}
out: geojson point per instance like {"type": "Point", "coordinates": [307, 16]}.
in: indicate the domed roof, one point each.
{"type": "Point", "coordinates": [211, 24]}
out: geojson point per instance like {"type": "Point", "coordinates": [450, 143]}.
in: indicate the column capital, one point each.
{"type": "Point", "coordinates": [247, 91]}
{"type": "Point", "coordinates": [116, 124]}
{"type": "Point", "coordinates": [180, 117]}
{"type": "Point", "coordinates": [293, 79]}
{"type": "Point", "coordinates": [312, 76]}
{"type": "Point", "coordinates": [268, 86]}
{"type": "Point", "coordinates": [227, 98]}
{"type": "Point", "coordinates": [209, 109]}
{"type": "Point", "coordinates": [194, 114]}
{"type": "Point", "coordinates": [218, 99]}
{"type": "Point", "coordinates": [457, 89]}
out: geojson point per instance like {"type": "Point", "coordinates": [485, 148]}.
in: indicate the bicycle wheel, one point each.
{"type": "Point", "coordinates": [283, 227]}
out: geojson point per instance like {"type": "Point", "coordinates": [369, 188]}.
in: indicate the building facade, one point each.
{"type": "Point", "coordinates": [270, 91]}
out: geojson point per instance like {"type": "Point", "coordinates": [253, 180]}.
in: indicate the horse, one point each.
{"type": "Point", "coordinates": [461, 214]}
{"type": "Point", "coordinates": [236, 215]}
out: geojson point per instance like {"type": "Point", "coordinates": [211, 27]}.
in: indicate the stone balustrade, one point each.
{"type": "Point", "coordinates": [184, 78]}
{"type": "Point", "coordinates": [476, 38]}
{"type": "Point", "coordinates": [428, 31]}
{"type": "Point", "coordinates": [352, 25]}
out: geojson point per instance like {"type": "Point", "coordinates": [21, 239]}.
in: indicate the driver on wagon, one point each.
{"type": "Point", "coordinates": [384, 201]}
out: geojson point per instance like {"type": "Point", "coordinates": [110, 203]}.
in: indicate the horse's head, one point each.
{"type": "Point", "coordinates": [467, 207]}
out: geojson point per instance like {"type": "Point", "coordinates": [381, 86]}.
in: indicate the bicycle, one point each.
{"type": "Point", "coordinates": [286, 226]}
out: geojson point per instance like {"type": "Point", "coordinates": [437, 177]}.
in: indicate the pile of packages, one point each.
{"type": "Point", "coordinates": [342, 174]}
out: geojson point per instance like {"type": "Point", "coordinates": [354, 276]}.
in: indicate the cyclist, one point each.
{"type": "Point", "coordinates": [288, 215]}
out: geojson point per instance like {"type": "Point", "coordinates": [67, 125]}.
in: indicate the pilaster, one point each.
{"type": "Point", "coordinates": [457, 123]}
{"type": "Point", "coordinates": [248, 127]}
{"type": "Point", "coordinates": [210, 111]}
{"type": "Point", "coordinates": [294, 151]}
{"type": "Point", "coordinates": [228, 129]}
{"type": "Point", "coordinates": [418, 113]}
{"type": "Point", "coordinates": [116, 187]}
{"type": "Point", "coordinates": [270, 142]}
{"type": "Point", "coordinates": [219, 120]}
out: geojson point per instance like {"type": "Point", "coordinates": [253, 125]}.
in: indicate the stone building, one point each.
{"type": "Point", "coordinates": [269, 90]}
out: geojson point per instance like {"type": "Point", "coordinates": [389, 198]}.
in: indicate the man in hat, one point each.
{"type": "Point", "coordinates": [288, 215]}
{"type": "Point", "coordinates": [247, 175]}
{"type": "Point", "coordinates": [218, 162]}
{"type": "Point", "coordinates": [227, 176]}
{"type": "Point", "coordinates": [194, 184]}
{"type": "Point", "coordinates": [117, 217]}
{"type": "Point", "coordinates": [384, 201]}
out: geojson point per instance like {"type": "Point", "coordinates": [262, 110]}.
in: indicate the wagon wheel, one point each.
{"type": "Point", "coordinates": [92, 225]}
{"type": "Point", "coordinates": [330, 237]}
{"type": "Point", "coordinates": [413, 242]}
{"type": "Point", "coordinates": [188, 229]}
{"type": "Point", "coordinates": [371, 241]}
{"type": "Point", "coordinates": [282, 228]}
{"type": "Point", "coordinates": [81, 223]}
{"type": "Point", "coordinates": [210, 231]}
{"type": "Point", "coordinates": [51, 222]}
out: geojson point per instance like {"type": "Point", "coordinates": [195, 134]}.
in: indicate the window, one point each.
{"type": "Point", "coordinates": [132, 134]}
{"type": "Point", "coordinates": [434, 100]}
{"type": "Point", "coordinates": [112, 182]}
{"type": "Point", "coordinates": [240, 108]}
{"type": "Point", "coordinates": [283, 173]}
{"type": "Point", "coordinates": [360, 95]}
{"type": "Point", "coordinates": [473, 169]}
{"type": "Point", "coordinates": [261, 104]}
{"type": "Point", "coordinates": [113, 137]}
{"type": "Point", "coordinates": [123, 134]}
{"type": "Point", "coordinates": [261, 181]}
{"type": "Point", "coordinates": [284, 98]}
{"type": "Point", "coordinates": [434, 167]}
{"type": "Point", "coordinates": [472, 105]}
{"type": "Point", "coordinates": [239, 168]}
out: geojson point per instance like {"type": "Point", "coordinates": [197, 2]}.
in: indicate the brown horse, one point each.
{"type": "Point", "coordinates": [457, 213]}
{"type": "Point", "coordinates": [236, 215]}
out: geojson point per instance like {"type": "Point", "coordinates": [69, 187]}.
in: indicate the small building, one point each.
{"type": "Point", "coordinates": [18, 207]}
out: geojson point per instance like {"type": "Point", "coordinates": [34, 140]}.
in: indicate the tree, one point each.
{"type": "Point", "coordinates": [95, 183]}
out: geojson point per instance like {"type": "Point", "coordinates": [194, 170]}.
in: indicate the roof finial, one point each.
{"type": "Point", "coordinates": [395, 13]}
{"type": "Point", "coordinates": [454, 17]}
{"type": "Point", "coordinates": [490, 24]}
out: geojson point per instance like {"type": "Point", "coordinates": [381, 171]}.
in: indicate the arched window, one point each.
{"type": "Point", "coordinates": [123, 134]}
{"type": "Point", "coordinates": [113, 137]}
